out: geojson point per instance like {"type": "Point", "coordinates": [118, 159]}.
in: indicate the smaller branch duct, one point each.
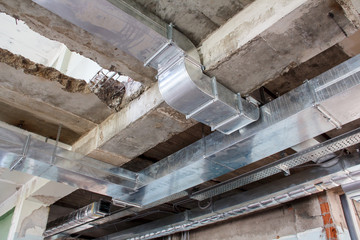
{"type": "Point", "coordinates": [23, 153]}
{"type": "Point", "coordinates": [86, 214]}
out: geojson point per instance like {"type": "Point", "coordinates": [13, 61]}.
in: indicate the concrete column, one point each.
{"type": "Point", "coordinates": [32, 207]}
{"type": "Point", "coordinates": [29, 221]}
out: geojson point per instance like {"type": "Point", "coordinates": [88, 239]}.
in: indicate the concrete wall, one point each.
{"type": "Point", "coordinates": [315, 218]}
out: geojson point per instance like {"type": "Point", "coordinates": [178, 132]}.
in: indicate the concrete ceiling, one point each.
{"type": "Point", "coordinates": [196, 19]}
{"type": "Point", "coordinates": [242, 43]}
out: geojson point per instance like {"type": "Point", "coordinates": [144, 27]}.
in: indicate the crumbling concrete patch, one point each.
{"type": "Point", "coordinates": [77, 40]}
{"type": "Point", "coordinates": [18, 62]}
{"type": "Point", "coordinates": [111, 92]}
{"type": "Point", "coordinates": [34, 220]}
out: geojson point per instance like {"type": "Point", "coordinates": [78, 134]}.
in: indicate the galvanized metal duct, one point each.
{"type": "Point", "coordinates": [322, 150]}
{"type": "Point", "coordinates": [182, 82]}
{"type": "Point", "coordinates": [83, 215]}
{"type": "Point", "coordinates": [299, 185]}
{"type": "Point", "coordinates": [23, 153]}
{"type": "Point", "coordinates": [285, 164]}
{"type": "Point", "coordinates": [319, 105]}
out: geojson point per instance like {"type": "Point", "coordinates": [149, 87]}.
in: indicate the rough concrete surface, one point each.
{"type": "Point", "coordinates": [288, 220]}
{"type": "Point", "coordinates": [294, 77]}
{"type": "Point", "coordinates": [300, 35]}
{"type": "Point", "coordinates": [19, 62]}
{"type": "Point", "coordinates": [139, 126]}
{"type": "Point", "coordinates": [110, 92]}
{"type": "Point", "coordinates": [196, 19]}
{"type": "Point", "coordinates": [158, 126]}
{"type": "Point", "coordinates": [39, 105]}
{"type": "Point", "coordinates": [77, 40]}
{"type": "Point", "coordinates": [33, 221]}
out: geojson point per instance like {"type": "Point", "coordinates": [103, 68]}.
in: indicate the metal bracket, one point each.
{"type": "Point", "coordinates": [252, 100]}
{"type": "Point", "coordinates": [53, 157]}
{"type": "Point", "coordinates": [169, 31]}
{"type": "Point", "coordinates": [316, 104]}
{"type": "Point", "coordinates": [312, 91]}
{"type": "Point", "coordinates": [169, 35]}
{"type": "Point", "coordinates": [329, 117]}
{"type": "Point", "coordinates": [23, 155]}
{"type": "Point", "coordinates": [158, 52]}
{"type": "Point", "coordinates": [284, 168]}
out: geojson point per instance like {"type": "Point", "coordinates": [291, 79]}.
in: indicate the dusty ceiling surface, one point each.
{"type": "Point", "coordinates": [196, 19]}
{"type": "Point", "coordinates": [262, 49]}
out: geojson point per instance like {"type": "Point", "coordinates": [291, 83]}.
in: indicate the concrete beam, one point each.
{"type": "Point", "coordinates": [270, 37]}
{"type": "Point", "coordinates": [141, 125]}
{"type": "Point", "coordinates": [76, 39]}
{"type": "Point", "coordinates": [42, 104]}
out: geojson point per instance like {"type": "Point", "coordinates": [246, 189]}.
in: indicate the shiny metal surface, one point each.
{"type": "Point", "coordinates": [296, 107]}
{"type": "Point", "coordinates": [56, 164]}
{"type": "Point", "coordinates": [189, 91]}
{"type": "Point", "coordinates": [299, 185]}
{"type": "Point", "coordinates": [352, 190]}
{"type": "Point", "coordinates": [284, 122]}
{"type": "Point", "coordinates": [151, 41]}
{"type": "Point", "coordinates": [85, 214]}
{"type": "Point", "coordinates": [286, 164]}
{"type": "Point", "coordinates": [122, 24]}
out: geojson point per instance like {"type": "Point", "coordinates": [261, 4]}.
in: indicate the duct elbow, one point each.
{"type": "Point", "coordinates": [187, 89]}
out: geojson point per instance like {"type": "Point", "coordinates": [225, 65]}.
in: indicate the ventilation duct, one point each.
{"type": "Point", "coordinates": [32, 156]}
{"type": "Point", "coordinates": [323, 150]}
{"type": "Point", "coordinates": [313, 153]}
{"type": "Point", "coordinates": [305, 183]}
{"type": "Point", "coordinates": [319, 105]}
{"type": "Point", "coordinates": [182, 82]}
{"type": "Point", "coordinates": [86, 214]}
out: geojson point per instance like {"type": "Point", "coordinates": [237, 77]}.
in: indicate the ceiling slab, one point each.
{"type": "Point", "coordinates": [273, 36]}
{"type": "Point", "coordinates": [39, 103]}
{"type": "Point", "coordinates": [196, 19]}
{"type": "Point", "coordinates": [138, 127]}
{"type": "Point", "coordinates": [77, 40]}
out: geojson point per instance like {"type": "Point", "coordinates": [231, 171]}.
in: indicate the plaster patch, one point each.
{"type": "Point", "coordinates": [34, 221]}
{"type": "Point", "coordinates": [47, 200]}
{"type": "Point", "coordinates": [314, 234]}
